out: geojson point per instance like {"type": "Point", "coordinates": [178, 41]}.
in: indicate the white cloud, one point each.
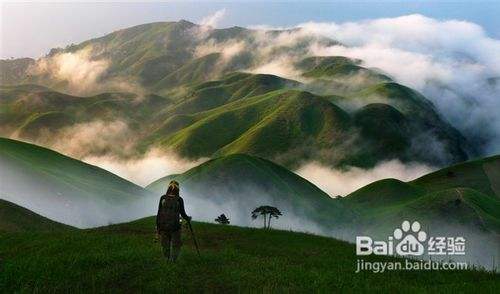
{"type": "Point", "coordinates": [82, 73]}
{"type": "Point", "coordinates": [145, 169]}
{"type": "Point", "coordinates": [280, 66]}
{"type": "Point", "coordinates": [214, 19]}
{"type": "Point", "coordinates": [227, 49]}
{"type": "Point", "coordinates": [449, 61]}
{"type": "Point", "coordinates": [96, 137]}
{"type": "Point", "coordinates": [343, 182]}
{"type": "Point", "coordinates": [78, 69]}
{"type": "Point", "coordinates": [414, 48]}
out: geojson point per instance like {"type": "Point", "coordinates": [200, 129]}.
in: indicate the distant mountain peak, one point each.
{"type": "Point", "coordinates": [186, 23]}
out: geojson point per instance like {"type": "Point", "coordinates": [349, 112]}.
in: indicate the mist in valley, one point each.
{"type": "Point", "coordinates": [205, 203]}
{"type": "Point", "coordinates": [451, 62]}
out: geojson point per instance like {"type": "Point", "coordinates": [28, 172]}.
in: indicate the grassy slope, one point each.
{"type": "Point", "coordinates": [202, 97]}
{"type": "Point", "coordinates": [35, 176]}
{"type": "Point", "coordinates": [14, 218]}
{"type": "Point", "coordinates": [245, 113]}
{"type": "Point", "coordinates": [375, 209]}
{"type": "Point", "coordinates": [195, 71]}
{"type": "Point", "coordinates": [262, 125]}
{"type": "Point", "coordinates": [163, 56]}
{"type": "Point", "coordinates": [157, 55]}
{"type": "Point", "coordinates": [338, 75]}
{"type": "Point", "coordinates": [65, 170]}
{"type": "Point", "coordinates": [30, 111]}
{"type": "Point", "coordinates": [460, 194]}
{"type": "Point", "coordinates": [147, 47]}
{"type": "Point", "coordinates": [332, 67]}
{"type": "Point", "coordinates": [227, 178]}
{"type": "Point", "coordinates": [285, 125]}
{"type": "Point", "coordinates": [476, 174]}
{"type": "Point", "coordinates": [125, 258]}
{"type": "Point", "coordinates": [231, 87]}
{"type": "Point", "coordinates": [424, 122]}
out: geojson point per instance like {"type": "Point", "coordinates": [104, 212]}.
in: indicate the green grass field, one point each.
{"type": "Point", "coordinates": [450, 201]}
{"type": "Point", "coordinates": [125, 258]}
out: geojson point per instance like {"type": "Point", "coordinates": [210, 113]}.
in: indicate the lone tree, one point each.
{"type": "Point", "coordinates": [267, 212]}
{"type": "Point", "coordinates": [222, 219]}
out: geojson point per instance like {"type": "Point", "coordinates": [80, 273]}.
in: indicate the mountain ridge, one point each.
{"type": "Point", "coordinates": [65, 189]}
{"type": "Point", "coordinates": [167, 77]}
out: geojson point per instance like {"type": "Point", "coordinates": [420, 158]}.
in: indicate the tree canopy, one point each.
{"type": "Point", "coordinates": [222, 219]}
{"type": "Point", "coordinates": [267, 212]}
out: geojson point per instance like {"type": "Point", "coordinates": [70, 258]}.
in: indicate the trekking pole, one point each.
{"type": "Point", "coordinates": [194, 238]}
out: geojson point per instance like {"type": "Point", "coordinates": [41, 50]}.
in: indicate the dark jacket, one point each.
{"type": "Point", "coordinates": [169, 210]}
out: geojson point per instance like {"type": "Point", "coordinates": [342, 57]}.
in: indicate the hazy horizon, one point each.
{"type": "Point", "coordinates": [32, 29]}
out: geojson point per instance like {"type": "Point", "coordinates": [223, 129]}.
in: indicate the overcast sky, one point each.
{"type": "Point", "coordinates": [31, 29]}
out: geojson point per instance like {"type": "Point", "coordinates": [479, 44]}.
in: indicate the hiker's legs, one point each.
{"type": "Point", "coordinates": [165, 238]}
{"type": "Point", "coordinates": [176, 244]}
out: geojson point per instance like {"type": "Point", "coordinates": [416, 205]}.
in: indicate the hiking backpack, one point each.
{"type": "Point", "coordinates": [169, 213]}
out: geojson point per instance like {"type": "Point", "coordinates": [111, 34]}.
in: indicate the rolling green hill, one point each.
{"type": "Point", "coordinates": [238, 183]}
{"type": "Point", "coordinates": [31, 111]}
{"type": "Point", "coordinates": [262, 125]}
{"type": "Point", "coordinates": [262, 115]}
{"type": "Point", "coordinates": [230, 88]}
{"type": "Point", "coordinates": [118, 257]}
{"type": "Point", "coordinates": [158, 55]}
{"type": "Point", "coordinates": [481, 175]}
{"type": "Point", "coordinates": [289, 126]}
{"type": "Point", "coordinates": [445, 202]}
{"type": "Point", "coordinates": [65, 189]}
{"type": "Point", "coordinates": [14, 218]}
{"type": "Point", "coordinates": [338, 67]}
{"type": "Point", "coordinates": [338, 75]}
{"type": "Point", "coordinates": [191, 99]}
{"type": "Point", "coordinates": [459, 196]}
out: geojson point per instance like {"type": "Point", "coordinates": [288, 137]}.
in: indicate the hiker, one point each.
{"type": "Point", "coordinates": [168, 227]}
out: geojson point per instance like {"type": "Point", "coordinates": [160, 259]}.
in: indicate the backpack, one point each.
{"type": "Point", "coordinates": [169, 213]}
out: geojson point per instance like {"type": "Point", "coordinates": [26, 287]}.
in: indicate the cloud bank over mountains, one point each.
{"type": "Point", "coordinates": [454, 63]}
{"type": "Point", "coordinates": [342, 182]}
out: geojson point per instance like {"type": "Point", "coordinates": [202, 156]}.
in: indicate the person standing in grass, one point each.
{"type": "Point", "coordinates": [168, 227]}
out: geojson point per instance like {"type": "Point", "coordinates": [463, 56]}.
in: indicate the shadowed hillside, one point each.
{"type": "Point", "coordinates": [446, 202]}
{"type": "Point", "coordinates": [14, 218]}
{"type": "Point", "coordinates": [238, 183]}
{"type": "Point", "coordinates": [461, 194]}
{"type": "Point", "coordinates": [460, 200]}
{"type": "Point", "coordinates": [65, 189]}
